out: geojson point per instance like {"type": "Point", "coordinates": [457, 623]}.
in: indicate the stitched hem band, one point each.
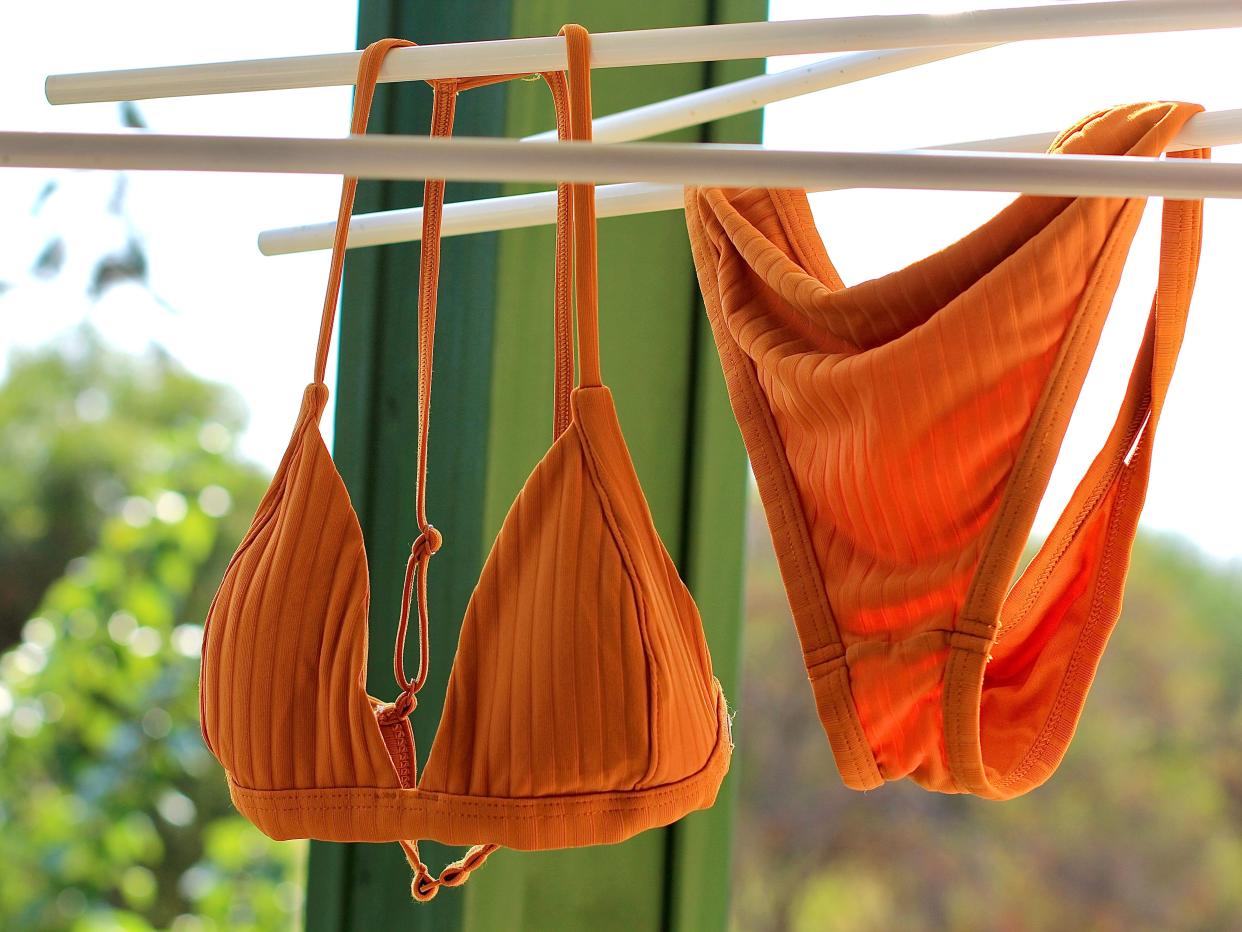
{"type": "Point", "coordinates": [377, 814]}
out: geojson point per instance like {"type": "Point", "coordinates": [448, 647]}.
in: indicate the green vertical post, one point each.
{"type": "Point", "coordinates": [492, 421]}
{"type": "Point", "coordinates": [363, 887]}
{"type": "Point", "coordinates": [660, 363]}
{"type": "Point", "coordinates": [701, 844]}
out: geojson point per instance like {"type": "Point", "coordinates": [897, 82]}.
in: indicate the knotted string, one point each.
{"type": "Point", "coordinates": [429, 539]}
{"type": "Point", "coordinates": [424, 886]}
{"type": "Point", "coordinates": [572, 102]}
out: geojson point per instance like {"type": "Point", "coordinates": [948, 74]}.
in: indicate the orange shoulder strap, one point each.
{"type": "Point", "coordinates": [576, 209]}
{"type": "Point", "coordinates": [444, 106]}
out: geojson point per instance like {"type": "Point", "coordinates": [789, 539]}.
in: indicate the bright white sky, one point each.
{"type": "Point", "coordinates": [251, 321]}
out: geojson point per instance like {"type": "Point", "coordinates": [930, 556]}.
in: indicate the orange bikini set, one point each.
{"type": "Point", "coordinates": [902, 432]}
{"type": "Point", "coordinates": [581, 706]}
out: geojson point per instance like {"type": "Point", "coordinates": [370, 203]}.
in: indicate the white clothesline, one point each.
{"type": "Point", "coordinates": [658, 46]}
{"type": "Point", "coordinates": [693, 109]}
{"type": "Point", "coordinates": [416, 157]}
{"type": "Point", "coordinates": [1220, 128]}
{"type": "Point", "coordinates": [726, 100]}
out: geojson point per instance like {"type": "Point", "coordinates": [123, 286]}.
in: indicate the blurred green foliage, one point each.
{"type": "Point", "coordinates": [120, 503]}
{"type": "Point", "coordinates": [83, 429]}
{"type": "Point", "coordinates": [1140, 828]}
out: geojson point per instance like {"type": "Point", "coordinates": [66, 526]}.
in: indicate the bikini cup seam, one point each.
{"type": "Point", "coordinates": [641, 796]}
{"type": "Point", "coordinates": [264, 515]}
{"type": "Point", "coordinates": [636, 591]}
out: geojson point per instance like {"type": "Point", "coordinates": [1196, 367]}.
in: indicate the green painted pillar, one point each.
{"type": "Point", "coordinates": [491, 421]}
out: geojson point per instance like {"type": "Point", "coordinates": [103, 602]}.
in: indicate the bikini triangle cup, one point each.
{"type": "Point", "coordinates": [581, 706]}
{"type": "Point", "coordinates": [902, 433]}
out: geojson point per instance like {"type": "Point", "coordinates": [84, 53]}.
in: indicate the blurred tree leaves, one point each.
{"type": "Point", "coordinates": [121, 500]}
{"type": "Point", "coordinates": [1140, 828]}
{"type": "Point", "coordinates": [128, 264]}
{"type": "Point", "coordinates": [131, 116]}
{"type": "Point", "coordinates": [125, 490]}
{"type": "Point", "coordinates": [85, 429]}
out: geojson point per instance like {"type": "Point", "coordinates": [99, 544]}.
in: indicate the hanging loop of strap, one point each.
{"type": "Point", "coordinates": [576, 212]}
{"type": "Point", "coordinates": [574, 101]}
{"type": "Point", "coordinates": [424, 886]}
{"type": "Point", "coordinates": [428, 541]}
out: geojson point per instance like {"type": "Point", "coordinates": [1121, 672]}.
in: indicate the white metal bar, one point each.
{"type": "Point", "coordinates": [383, 227]}
{"type": "Point", "coordinates": [1220, 128]}
{"type": "Point", "coordinates": [1203, 130]}
{"type": "Point", "coordinates": [409, 158]}
{"type": "Point", "coordinates": [394, 226]}
{"type": "Point", "coordinates": [659, 46]}
{"type": "Point", "coordinates": [726, 100]}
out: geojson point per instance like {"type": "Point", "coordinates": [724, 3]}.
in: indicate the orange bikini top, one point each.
{"type": "Point", "coordinates": [902, 432]}
{"type": "Point", "coordinates": [581, 707]}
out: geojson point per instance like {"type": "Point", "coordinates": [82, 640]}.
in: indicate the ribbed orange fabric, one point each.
{"type": "Point", "coordinates": [902, 433]}
{"type": "Point", "coordinates": [581, 706]}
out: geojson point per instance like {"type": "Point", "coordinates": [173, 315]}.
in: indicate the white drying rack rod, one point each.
{"type": "Point", "coordinates": [417, 157]}
{"type": "Point", "coordinates": [1204, 130]}
{"type": "Point", "coordinates": [695, 108]}
{"type": "Point", "coordinates": [658, 46]}
{"type": "Point", "coordinates": [746, 94]}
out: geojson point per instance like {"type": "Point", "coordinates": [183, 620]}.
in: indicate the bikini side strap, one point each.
{"type": "Point", "coordinates": [364, 94]}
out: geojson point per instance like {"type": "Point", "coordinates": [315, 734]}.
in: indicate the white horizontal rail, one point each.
{"type": "Point", "coordinates": [691, 109]}
{"type": "Point", "coordinates": [410, 158]}
{"type": "Point", "coordinates": [1220, 128]}
{"type": "Point", "coordinates": [726, 100]}
{"type": "Point", "coordinates": [658, 46]}
{"type": "Point", "coordinates": [1202, 131]}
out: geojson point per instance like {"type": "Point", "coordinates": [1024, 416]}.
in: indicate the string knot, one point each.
{"type": "Point", "coordinates": [427, 543]}
{"type": "Point", "coordinates": [401, 708]}
{"type": "Point", "coordinates": [423, 887]}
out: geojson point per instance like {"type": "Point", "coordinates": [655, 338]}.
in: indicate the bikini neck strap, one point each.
{"type": "Point", "coordinates": [586, 269]}
{"type": "Point", "coordinates": [433, 191]}
{"type": "Point", "coordinates": [575, 212]}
